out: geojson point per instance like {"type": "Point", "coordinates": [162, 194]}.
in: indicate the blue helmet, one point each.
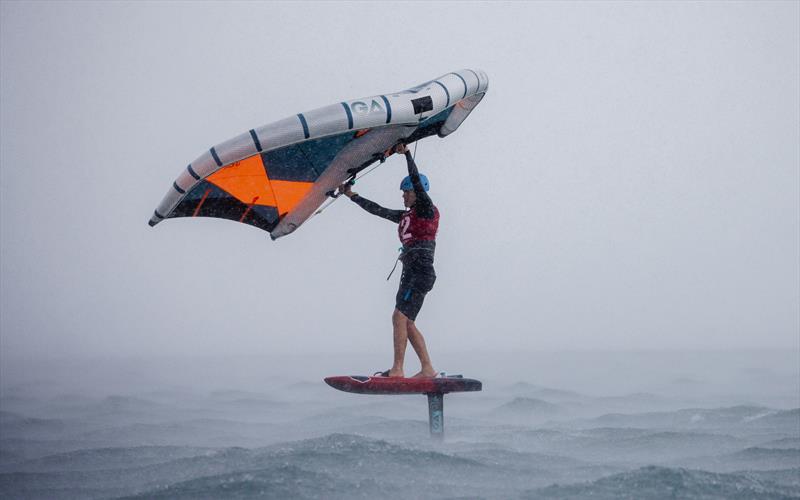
{"type": "Point", "coordinates": [407, 186]}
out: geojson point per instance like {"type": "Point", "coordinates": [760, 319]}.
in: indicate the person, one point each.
{"type": "Point", "coordinates": [416, 227]}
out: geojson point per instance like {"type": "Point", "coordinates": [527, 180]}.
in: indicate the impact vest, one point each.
{"type": "Point", "coordinates": [413, 228]}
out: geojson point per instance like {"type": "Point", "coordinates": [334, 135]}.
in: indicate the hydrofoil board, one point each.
{"type": "Point", "coordinates": [362, 384]}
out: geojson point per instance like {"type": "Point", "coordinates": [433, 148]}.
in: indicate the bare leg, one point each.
{"type": "Point", "coordinates": [418, 342]}
{"type": "Point", "coordinates": [400, 326]}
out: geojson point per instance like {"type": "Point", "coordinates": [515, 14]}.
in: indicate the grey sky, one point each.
{"type": "Point", "coordinates": [631, 180]}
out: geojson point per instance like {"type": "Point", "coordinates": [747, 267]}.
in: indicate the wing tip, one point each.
{"type": "Point", "coordinates": [155, 219]}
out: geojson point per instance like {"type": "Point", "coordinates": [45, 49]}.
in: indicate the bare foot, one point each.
{"type": "Point", "coordinates": [425, 374]}
{"type": "Point", "coordinates": [396, 373]}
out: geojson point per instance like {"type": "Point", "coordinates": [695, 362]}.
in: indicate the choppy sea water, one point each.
{"type": "Point", "coordinates": [301, 439]}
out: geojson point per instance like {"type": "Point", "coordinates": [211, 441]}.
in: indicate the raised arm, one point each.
{"type": "Point", "coordinates": [424, 204]}
{"type": "Point", "coordinates": [370, 206]}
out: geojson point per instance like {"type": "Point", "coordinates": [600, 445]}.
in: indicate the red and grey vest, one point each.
{"type": "Point", "coordinates": [413, 228]}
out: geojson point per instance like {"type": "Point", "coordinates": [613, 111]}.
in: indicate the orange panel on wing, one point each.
{"type": "Point", "coordinates": [289, 193]}
{"type": "Point", "coordinates": [246, 180]}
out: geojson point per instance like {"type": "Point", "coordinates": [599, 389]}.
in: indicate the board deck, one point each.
{"type": "Point", "coordinates": [362, 384]}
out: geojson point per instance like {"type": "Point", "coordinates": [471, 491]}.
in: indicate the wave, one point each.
{"type": "Point", "coordinates": [655, 483]}
{"type": "Point", "coordinates": [106, 458]}
{"type": "Point", "coordinates": [738, 418]}
{"type": "Point", "coordinates": [278, 482]}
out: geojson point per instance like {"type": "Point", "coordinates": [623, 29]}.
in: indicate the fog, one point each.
{"type": "Point", "coordinates": [619, 249]}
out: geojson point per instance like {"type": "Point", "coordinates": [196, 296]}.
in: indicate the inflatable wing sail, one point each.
{"type": "Point", "coordinates": [276, 176]}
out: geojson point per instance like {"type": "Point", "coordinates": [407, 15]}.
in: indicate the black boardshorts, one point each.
{"type": "Point", "coordinates": [411, 293]}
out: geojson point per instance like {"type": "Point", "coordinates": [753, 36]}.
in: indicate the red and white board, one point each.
{"type": "Point", "coordinates": [362, 384]}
